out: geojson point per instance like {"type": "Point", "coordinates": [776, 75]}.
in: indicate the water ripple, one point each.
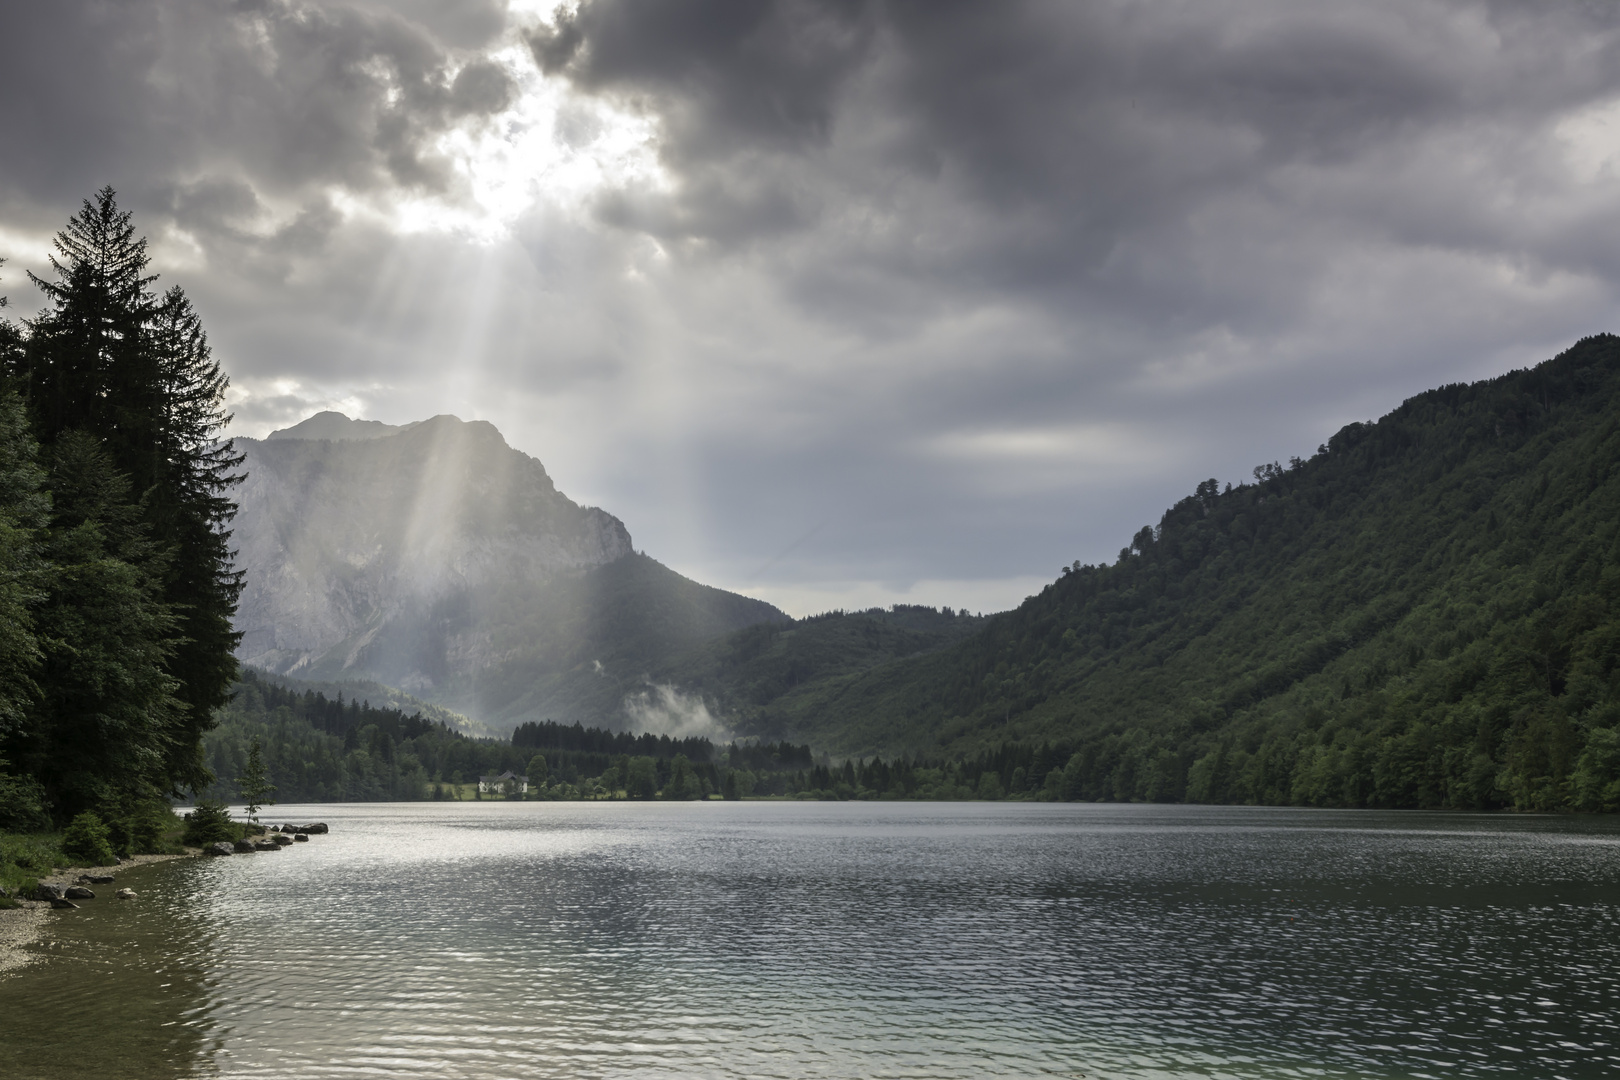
{"type": "Point", "coordinates": [886, 940]}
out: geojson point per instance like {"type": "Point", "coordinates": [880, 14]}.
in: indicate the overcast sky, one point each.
{"type": "Point", "coordinates": [842, 303]}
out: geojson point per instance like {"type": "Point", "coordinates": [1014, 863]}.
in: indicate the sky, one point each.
{"type": "Point", "coordinates": [840, 303]}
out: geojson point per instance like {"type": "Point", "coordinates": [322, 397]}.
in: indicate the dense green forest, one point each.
{"type": "Point", "coordinates": [320, 749]}
{"type": "Point", "coordinates": [116, 591]}
{"type": "Point", "coordinates": [764, 672]}
{"type": "Point", "coordinates": [1426, 613]}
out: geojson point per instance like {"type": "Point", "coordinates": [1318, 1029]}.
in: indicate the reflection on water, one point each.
{"type": "Point", "coordinates": [843, 940]}
{"type": "Point", "coordinates": [119, 989]}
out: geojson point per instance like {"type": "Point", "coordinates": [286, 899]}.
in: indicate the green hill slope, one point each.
{"type": "Point", "coordinates": [1422, 614]}
{"type": "Point", "coordinates": [761, 677]}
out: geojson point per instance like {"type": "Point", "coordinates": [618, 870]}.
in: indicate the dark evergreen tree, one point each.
{"type": "Point", "coordinates": [23, 506]}
{"type": "Point", "coordinates": [110, 358]}
{"type": "Point", "coordinates": [87, 366]}
{"type": "Point", "coordinates": [190, 508]}
{"type": "Point", "coordinates": [108, 723]}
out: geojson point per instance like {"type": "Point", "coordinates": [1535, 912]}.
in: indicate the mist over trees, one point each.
{"type": "Point", "coordinates": [116, 588]}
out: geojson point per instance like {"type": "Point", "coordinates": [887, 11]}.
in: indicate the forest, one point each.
{"type": "Point", "coordinates": [1425, 613]}
{"type": "Point", "coordinates": [319, 749]}
{"type": "Point", "coordinates": [116, 589]}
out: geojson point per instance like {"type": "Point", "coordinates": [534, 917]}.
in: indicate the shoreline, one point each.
{"type": "Point", "coordinates": [21, 926]}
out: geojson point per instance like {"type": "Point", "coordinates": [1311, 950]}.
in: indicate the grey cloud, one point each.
{"type": "Point", "coordinates": [278, 94]}
{"type": "Point", "coordinates": [981, 287]}
{"type": "Point", "coordinates": [481, 88]}
{"type": "Point", "coordinates": [1069, 138]}
{"type": "Point", "coordinates": [728, 74]}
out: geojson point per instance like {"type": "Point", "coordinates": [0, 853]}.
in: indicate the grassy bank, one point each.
{"type": "Point", "coordinates": [27, 857]}
{"type": "Point", "coordinates": [24, 859]}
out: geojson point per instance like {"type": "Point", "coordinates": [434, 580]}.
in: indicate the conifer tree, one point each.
{"type": "Point", "coordinates": [190, 509]}
{"type": "Point", "coordinates": [108, 725]}
{"type": "Point", "coordinates": [254, 783]}
{"type": "Point", "coordinates": [23, 506]}
{"type": "Point", "coordinates": [132, 370]}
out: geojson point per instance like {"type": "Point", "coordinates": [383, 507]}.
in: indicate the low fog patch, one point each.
{"type": "Point", "coordinates": [662, 709]}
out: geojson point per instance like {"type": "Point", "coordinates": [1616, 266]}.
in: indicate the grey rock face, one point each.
{"type": "Point", "coordinates": [220, 847]}
{"type": "Point", "coordinates": [47, 892]}
{"type": "Point", "coordinates": [355, 541]}
{"type": "Point", "coordinates": [281, 840]}
{"type": "Point", "coordinates": [79, 892]}
{"type": "Point", "coordinates": [243, 845]}
{"type": "Point", "coordinates": [58, 902]}
{"type": "Point", "coordinates": [302, 838]}
{"type": "Point", "coordinates": [125, 894]}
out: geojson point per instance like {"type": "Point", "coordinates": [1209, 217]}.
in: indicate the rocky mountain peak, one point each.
{"type": "Point", "coordinates": [346, 525]}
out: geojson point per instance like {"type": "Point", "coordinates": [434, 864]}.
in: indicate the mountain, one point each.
{"type": "Point", "coordinates": [337, 428]}
{"type": "Point", "coordinates": [1424, 613]}
{"type": "Point", "coordinates": [435, 558]}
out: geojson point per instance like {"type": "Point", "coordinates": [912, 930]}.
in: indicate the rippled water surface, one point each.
{"type": "Point", "coordinates": [848, 940]}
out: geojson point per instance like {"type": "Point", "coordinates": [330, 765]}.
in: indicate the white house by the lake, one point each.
{"type": "Point", "coordinates": [497, 784]}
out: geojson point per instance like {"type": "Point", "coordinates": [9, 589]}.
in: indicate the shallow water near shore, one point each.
{"type": "Point", "coordinates": [848, 940]}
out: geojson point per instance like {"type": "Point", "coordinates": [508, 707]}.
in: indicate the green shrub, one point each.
{"type": "Point", "coordinates": [86, 841]}
{"type": "Point", "coordinates": [142, 827]}
{"type": "Point", "coordinates": [22, 805]}
{"type": "Point", "coordinates": [26, 859]}
{"type": "Point", "coordinates": [32, 853]}
{"type": "Point", "coordinates": [209, 823]}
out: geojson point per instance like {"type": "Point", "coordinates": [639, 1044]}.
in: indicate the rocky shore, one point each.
{"type": "Point", "coordinates": [22, 926]}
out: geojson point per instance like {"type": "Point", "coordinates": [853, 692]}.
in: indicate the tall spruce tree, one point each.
{"type": "Point", "coordinates": [190, 509]}
{"type": "Point", "coordinates": [23, 509]}
{"type": "Point", "coordinates": [131, 369]}
{"type": "Point", "coordinates": [109, 725]}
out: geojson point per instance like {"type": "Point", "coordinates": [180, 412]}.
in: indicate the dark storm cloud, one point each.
{"type": "Point", "coordinates": [279, 97]}
{"type": "Point", "coordinates": [731, 74]}
{"type": "Point", "coordinates": [1220, 228]}
{"type": "Point", "coordinates": [955, 290]}
{"type": "Point", "coordinates": [1089, 137]}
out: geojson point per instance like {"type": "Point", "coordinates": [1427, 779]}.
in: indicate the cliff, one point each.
{"type": "Point", "coordinates": [430, 555]}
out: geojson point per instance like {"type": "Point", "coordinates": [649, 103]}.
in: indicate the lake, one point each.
{"type": "Point", "coordinates": [847, 940]}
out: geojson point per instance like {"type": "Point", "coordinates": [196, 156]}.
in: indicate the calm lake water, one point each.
{"type": "Point", "coordinates": [847, 940]}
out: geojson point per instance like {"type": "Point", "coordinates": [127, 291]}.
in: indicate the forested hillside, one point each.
{"type": "Point", "coordinates": [1425, 613]}
{"type": "Point", "coordinates": [755, 676]}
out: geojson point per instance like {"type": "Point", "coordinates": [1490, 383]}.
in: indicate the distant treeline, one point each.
{"type": "Point", "coordinates": [317, 749]}
{"type": "Point", "coordinates": [320, 749]}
